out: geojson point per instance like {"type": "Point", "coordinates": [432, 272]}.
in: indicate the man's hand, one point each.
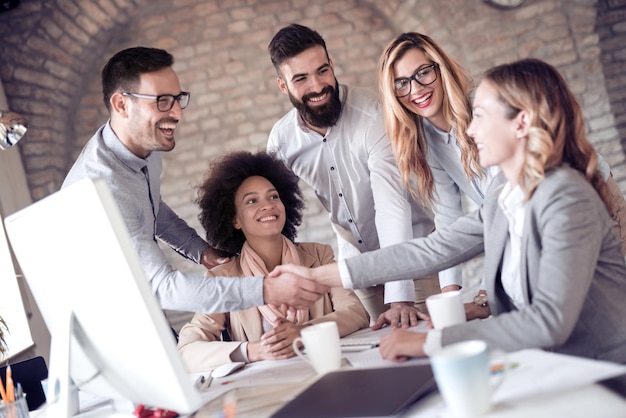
{"type": "Point", "coordinates": [327, 274]}
{"type": "Point", "coordinates": [400, 314]}
{"type": "Point", "coordinates": [400, 345]}
{"type": "Point", "coordinates": [210, 258]}
{"type": "Point", "coordinates": [291, 290]}
{"type": "Point", "coordinates": [450, 288]}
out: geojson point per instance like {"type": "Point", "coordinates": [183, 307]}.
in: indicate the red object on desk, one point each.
{"type": "Point", "coordinates": [142, 412]}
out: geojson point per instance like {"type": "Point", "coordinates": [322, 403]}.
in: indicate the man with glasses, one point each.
{"type": "Point", "coordinates": [335, 141]}
{"type": "Point", "coordinates": [145, 102]}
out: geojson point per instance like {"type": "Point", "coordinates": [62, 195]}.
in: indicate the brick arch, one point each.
{"type": "Point", "coordinates": [47, 49]}
{"type": "Point", "coordinates": [52, 53]}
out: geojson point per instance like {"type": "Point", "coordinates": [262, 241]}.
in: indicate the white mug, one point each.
{"type": "Point", "coordinates": [463, 376]}
{"type": "Point", "coordinates": [446, 309]}
{"type": "Point", "coordinates": [321, 342]}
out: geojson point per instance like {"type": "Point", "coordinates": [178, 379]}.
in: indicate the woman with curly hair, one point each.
{"type": "Point", "coordinates": [554, 272]}
{"type": "Point", "coordinates": [250, 208]}
{"type": "Point", "coordinates": [427, 110]}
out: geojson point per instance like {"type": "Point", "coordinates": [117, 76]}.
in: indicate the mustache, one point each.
{"type": "Point", "coordinates": [168, 120]}
{"type": "Point", "coordinates": [325, 90]}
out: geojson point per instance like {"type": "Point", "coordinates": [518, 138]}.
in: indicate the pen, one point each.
{"type": "Point", "coordinates": [202, 383]}
{"type": "Point", "coordinates": [3, 392]}
{"type": "Point", "coordinates": [9, 382]}
{"type": "Point", "coordinates": [19, 392]}
{"type": "Point", "coordinates": [230, 404]}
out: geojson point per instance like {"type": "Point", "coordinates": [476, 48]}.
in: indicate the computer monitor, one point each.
{"type": "Point", "coordinates": [108, 331]}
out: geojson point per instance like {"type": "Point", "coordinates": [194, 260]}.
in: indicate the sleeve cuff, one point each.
{"type": "Point", "coordinates": [240, 353]}
{"type": "Point", "coordinates": [433, 342]}
{"type": "Point", "coordinates": [344, 274]}
{"type": "Point", "coordinates": [400, 291]}
{"type": "Point", "coordinates": [451, 276]}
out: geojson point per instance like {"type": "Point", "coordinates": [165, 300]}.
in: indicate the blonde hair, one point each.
{"type": "Point", "coordinates": [557, 133]}
{"type": "Point", "coordinates": [405, 129]}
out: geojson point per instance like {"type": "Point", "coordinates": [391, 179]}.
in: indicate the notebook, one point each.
{"type": "Point", "coordinates": [378, 392]}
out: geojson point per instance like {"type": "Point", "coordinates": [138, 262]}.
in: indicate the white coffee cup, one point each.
{"type": "Point", "coordinates": [321, 342]}
{"type": "Point", "coordinates": [446, 309]}
{"type": "Point", "coordinates": [463, 376]}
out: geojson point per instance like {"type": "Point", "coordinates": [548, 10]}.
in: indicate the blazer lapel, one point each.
{"type": "Point", "coordinates": [496, 236]}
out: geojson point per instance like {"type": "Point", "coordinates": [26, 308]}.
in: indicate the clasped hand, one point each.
{"type": "Point", "coordinates": [276, 344]}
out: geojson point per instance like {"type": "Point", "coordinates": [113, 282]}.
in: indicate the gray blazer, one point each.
{"type": "Point", "coordinates": [574, 277]}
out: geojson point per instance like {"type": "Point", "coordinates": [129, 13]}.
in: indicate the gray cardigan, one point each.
{"type": "Point", "coordinates": [574, 277]}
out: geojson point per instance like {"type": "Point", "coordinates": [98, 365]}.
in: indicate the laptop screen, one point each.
{"type": "Point", "coordinates": [379, 392]}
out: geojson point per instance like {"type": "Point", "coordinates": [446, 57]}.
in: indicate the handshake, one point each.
{"type": "Point", "coordinates": [299, 286]}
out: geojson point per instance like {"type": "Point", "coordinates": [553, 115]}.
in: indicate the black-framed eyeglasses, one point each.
{"type": "Point", "coordinates": [165, 102]}
{"type": "Point", "coordinates": [424, 76]}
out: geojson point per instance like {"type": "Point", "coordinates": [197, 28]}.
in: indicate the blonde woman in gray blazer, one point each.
{"type": "Point", "coordinates": [553, 268]}
{"type": "Point", "coordinates": [425, 97]}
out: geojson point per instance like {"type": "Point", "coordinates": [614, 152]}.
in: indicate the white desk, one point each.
{"type": "Point", "coordinates": [532, 389]}
{"type": "Point", "coordinates": [543, 385]}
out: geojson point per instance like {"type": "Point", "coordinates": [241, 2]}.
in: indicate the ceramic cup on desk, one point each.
{"type": "Point", "coordinates": [321, 342]}
{"type": "Point", "coordinates": [446, 309]}
{"type": "Point", "coordinates": [463, 376]}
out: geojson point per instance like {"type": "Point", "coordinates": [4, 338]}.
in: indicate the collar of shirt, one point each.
{"type": "Point", "coordinates": [444, 136]}
{"type": "Point", "coordinates": [512, 202]}
{"type": "Point", "coordinates": [119, 149]}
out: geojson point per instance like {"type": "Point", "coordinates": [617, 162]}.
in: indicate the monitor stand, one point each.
{"type": "Point", "coordinates": [58, 391]}
{"type": "Point", "coordinates": [62, 397]}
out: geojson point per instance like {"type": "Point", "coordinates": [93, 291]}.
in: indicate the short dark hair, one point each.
{"type": "Point", "coordinates": [123, 70]}
{"type": "Point", "coordinates": [216, 196]}
{"type": "Point", "coordinates": [291, 41]}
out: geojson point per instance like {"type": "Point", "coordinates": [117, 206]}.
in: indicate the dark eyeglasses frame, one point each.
{"type": "Point", "coordinates": [415, 77]}
{"type": "Point", "coordinates": [182, 98]}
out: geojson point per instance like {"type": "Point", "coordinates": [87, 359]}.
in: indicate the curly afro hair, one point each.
{"type": "Point", "coordinates": [216, 196]}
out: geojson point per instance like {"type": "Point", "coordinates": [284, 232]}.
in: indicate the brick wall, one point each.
{"type": "Point", "coordinates": [53, 51]}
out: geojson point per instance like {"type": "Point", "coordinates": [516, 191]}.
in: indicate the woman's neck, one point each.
{"type": "Point", "coordinates": [440, 123]}
{"type": "Point", "coordinates": [270, 249]}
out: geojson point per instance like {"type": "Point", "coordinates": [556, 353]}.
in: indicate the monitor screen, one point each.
{"type": "Point", "coordinates": [83, 270]}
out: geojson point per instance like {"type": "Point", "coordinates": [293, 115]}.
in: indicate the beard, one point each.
{"type": "Point", "coordinates": [320, 116]}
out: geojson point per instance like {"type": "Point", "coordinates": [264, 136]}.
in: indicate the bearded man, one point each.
{"type": "Point", "coordinates": [334, 139]}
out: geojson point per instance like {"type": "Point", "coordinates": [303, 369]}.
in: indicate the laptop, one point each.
{"type": "Point", "coordinates": [379, 392]}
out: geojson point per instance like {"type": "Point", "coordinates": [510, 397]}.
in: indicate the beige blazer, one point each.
{"type": "Point", "coordinates": [200, 344]}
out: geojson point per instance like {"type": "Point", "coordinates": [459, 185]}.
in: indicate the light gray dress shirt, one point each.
{"type": "Point", "coordinates": [135, 184]}
{"type": "Point", "coordinates": [354, 174]}
{"type": "Point", "coordinates": [444, 159]}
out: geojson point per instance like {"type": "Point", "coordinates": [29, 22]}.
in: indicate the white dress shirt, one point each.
{"type": "Point", "coordinates": [444, 160]}
{"type": "Point", "coordinates": [354, 174]}
{"type": "Point", "coordinates": [512, 202]}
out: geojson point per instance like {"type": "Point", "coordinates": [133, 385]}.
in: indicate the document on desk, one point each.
{"type": "Point", "coordinates": [540, 372]}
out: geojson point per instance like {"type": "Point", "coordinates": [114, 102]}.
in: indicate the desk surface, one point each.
{"type": "Point", "coordinates": [544, 385]}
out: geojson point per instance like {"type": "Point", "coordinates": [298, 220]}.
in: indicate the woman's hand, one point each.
{"type": "Point", "coordinates": [276, 344]}
{"type": "Point", "coordinates": [400, 345]}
